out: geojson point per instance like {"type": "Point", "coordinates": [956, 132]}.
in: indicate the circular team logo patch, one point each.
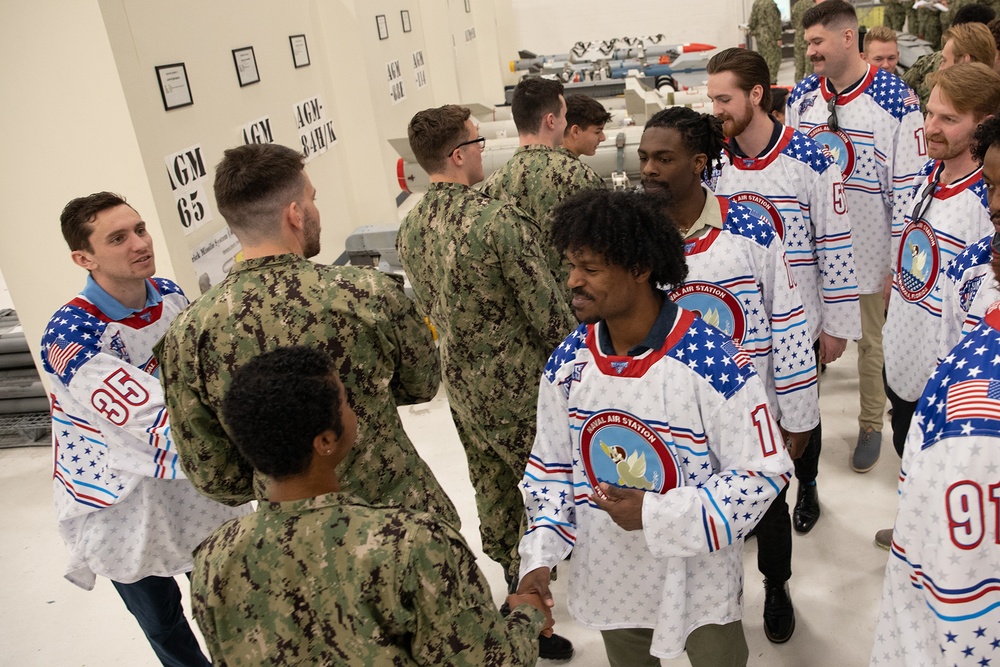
{"type": "Point", "coordinates": [763, 208]}
{"type": "Point", "coordinates": [836, 145]}
{"type": "Point", "coordinates": [717, 306]}
{"type": "Point", "coordinates": [620, 449]}
{"type": "Point", "coordinates": [918, 261]}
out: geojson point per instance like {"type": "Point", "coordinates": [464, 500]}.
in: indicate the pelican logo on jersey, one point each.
{"type": "Point", "coordinates": [622, 450]}
{"type": "Point", "coordinates": [837, 146]}
{"type": "Point", "coordinates": [918, 261]}
{"type": "Point", "coordinates": [717, 306]}
{"type": "Point", "coordinates": [763, 208]}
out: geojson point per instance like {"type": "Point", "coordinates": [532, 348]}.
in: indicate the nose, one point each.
{"type": "Point", "coordinates": [810, 51]}
{"type": "Point", "coordinates": [601, 137]}
{"type": "Point", "coordinates": [575, 278]}
{"type": "Point", "coordinates": [716, 111]}
{"type": "Point", "coordinates": [648, 168]}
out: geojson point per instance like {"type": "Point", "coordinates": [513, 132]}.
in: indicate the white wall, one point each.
{"type": "Point", "coordinates": [553, 26]}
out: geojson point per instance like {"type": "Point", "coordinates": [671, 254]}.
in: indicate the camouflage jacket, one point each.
{"type": "Point", "coordinates": [536, 179]}
{"type": "Point", "coordinates": [481, 278]}
{"type": "Point", "coordinates": [331, 580]}
{"type": "Point", "coordinates": [765, 22]}
{"type": "Point", "coordinates": [916, 76]}
{"type": "Point", "coordinates": [382, 350]}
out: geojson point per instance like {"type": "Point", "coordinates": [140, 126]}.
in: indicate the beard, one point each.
{"type": "Point", "coordinates": [310, 246]}
{"type": "Point", "coordinates": [734, 126]}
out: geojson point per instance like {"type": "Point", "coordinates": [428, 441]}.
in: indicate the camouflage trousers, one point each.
{"type": "Point", "coordinates": [894, 16]}
{"type": "Point", "coordinates": [929, 25]}
{"type": "Point", "coordinates": [803, 66]}
{"type": "Point", "coordinates": [496, 470]}
{"type": "Point", "coordinates": [770, 50]}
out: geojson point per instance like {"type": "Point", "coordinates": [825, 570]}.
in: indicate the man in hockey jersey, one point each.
{"type": "Point", "coordinates": [939, 598]}
{"type": "Point", "coordinates": [276, 297]}
{"type": "Point", "coordinates": [967, 286]}
{"type": "Point", "coordinates": [125, 509]}
{"type": "Point", "coordinates": [692, 417]}
{"type": "Point", "coordinates": [787, 178]}
{"type": "Point", "coordinates": [739, 281]}
{"type": "Point", "coordinates": [870, 123]}
{"type": "Point", "coordinates": [480, 276]}
{"type": "Point", "coordinates": [948, 212]}
{"type": "Point", "coordinates": [537, 177]}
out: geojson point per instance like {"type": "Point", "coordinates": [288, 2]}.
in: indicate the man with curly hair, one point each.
{"type": "Point", "coordinates": [656, 527]}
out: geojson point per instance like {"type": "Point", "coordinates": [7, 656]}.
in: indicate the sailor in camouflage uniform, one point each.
{"type": "Point", "coordinates": [537, 177]}
{"type": "Point", "coordinates": [916, 75]}
{"type": "Point", "coordinates": [894, 14]}
{"type": "Point", "coordinates": [765, 26]}
{"type": "Point", "coordinates": [277, 297]}
{"type": "Point", "coordinates": [803, 66]}
{"type": "Point", "coordinates": [585, 121]}
{"type": "Point", "coordinates": [480, 276]}
{"type": "Point", "coordinates": [966, 41]}
{"type": "Point", "coordinates": [319, 577]}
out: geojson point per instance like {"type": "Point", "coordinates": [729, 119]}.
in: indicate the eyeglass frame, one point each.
{"type": "Point", "coordinates": [832, 121]}
{"type": "Point", "coordinates": [478, 140]}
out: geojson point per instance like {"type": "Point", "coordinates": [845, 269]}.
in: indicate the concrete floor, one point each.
{"type": "Point", "coordinates": [836, 585]}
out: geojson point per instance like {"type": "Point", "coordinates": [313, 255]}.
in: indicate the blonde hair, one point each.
{"type": "Point", "coordinates": [880, 33]}
{"type": "Point", "coordinates": [969, 87]}
{"type": "Point", "coordinates": [971, 39]}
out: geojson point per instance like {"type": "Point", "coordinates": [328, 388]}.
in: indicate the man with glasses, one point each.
{"type": "Point", "coordinates": [938, 599]}
{"type": "Point", "coordinates": [949, 212]}
{"type": "Point", "coordinates": [869, 122]}
{"type": "Point", "coordinates": [481, 277]}
{"type": "Point", "coordinates": [538, 177]}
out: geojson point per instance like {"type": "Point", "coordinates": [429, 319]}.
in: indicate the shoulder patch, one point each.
{"type": "Point", "coordinates": [892, 94]}
{"type": "Point", "coordinates": [566, 352]}
{"type": "Point", "coordinates": [807, 150]}
{"type": "Point", "coordinates": [70, 340]}
{"type": "Point", "coordinates": [802, 88]}
{"type": "Point", "coordinates": [976, 254]}
{"type": "Point", "coordinates": [713, 356]}
{"type": "Point", "coordinates": [742, 221]}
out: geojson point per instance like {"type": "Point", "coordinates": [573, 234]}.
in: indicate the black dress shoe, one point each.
{"type": "Point", "coordinates": [779, 616]}
{"type": "Point", "coordinates": [554, 648]}
{"type": "Point", "coordinates": [806, 512]}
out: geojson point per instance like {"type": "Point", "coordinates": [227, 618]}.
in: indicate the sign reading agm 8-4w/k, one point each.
{"type": "Point", "coordinates": [186, 170]}
{"type": "Point", "coordinates": [316, 133]}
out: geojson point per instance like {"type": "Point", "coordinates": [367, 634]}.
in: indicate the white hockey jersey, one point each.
{"type": "Point", "coordinates": [879, 148]}
{"type": "Point", "coordinates": [940, 598]}
{"type": "Point", "coordinates": [795, 187]}
{"type": "Point", "coordinates": [125, 509]}
{"type": "Point", "coordinates": [693, 410]}
{"type": "Point", "coordinates": [739, 282]}
{"type": "Point", "coordinates": [968, 288]}
{"type": "Point", "coordinates": [956, 216]}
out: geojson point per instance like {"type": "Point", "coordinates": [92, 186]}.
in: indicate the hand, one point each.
{"type": "Point", "coordinates": [537, 581]}
{"type": "Point", "coordinates": [796, 442]}
{"type": "Point", "coordinates": [830, 348]}
{"type": "Point", "coordinates": [535, 600]}
{"type": "Point", "coordinates": [887, 291]}
{"type": "Point", "coordinates": [624, 505]}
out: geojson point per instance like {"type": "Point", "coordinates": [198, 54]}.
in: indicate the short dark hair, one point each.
{"type": "Point", "coordinates": [628, 229]}
{"type": "Point", "coordinates": [974, 13]}
{"type": "Point", "coordinates": [700, 132]}
{"type": "Point", "coordinates": [830, 12]}
{"type": "Point", "coordinates": [78, 215]}
{"type": "Point", "coordinates": [434, 132]}
{"type": "Point", "coordinates": [254, 183]}
{"type": "Point", "coordinates": [987, 134]}
{"type": "Point", "coordinates": [585, 111]}
{"type": "Point", "coordinates": [750, 70]}
{"type": "Point", "coordinates": [779, 95]}
{"type": "Point", "coordinates": [994, 28]}
{"type": "Point", "coordinates": [533, 98]}
{"type": "Point", "coordinates": [276, 405]}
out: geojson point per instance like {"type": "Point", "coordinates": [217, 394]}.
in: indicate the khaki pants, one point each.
{"type": "Point", "coordinates": [870, 362]}
{"type": "Point", "coordinates": [707, 646]}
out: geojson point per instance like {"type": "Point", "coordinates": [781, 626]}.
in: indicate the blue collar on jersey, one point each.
{"type": "Point", "coordinates": [654, 340]}
{"type": "Point", "coordinates": [110, 306]}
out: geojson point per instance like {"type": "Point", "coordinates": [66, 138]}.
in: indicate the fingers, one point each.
{"type": "Point", "coordinates": [537, 581]}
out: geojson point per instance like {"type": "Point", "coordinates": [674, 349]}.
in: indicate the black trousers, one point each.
{"type": "Point", "coordinates": [807, 465]}
{"type": "Point", "coordinates": [902, 415]}
{"type": "Point", "coordinates": [774, 540]}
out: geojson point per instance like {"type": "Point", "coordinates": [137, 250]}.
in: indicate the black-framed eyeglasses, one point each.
{"type": "Point", "coordinates": [478, 140]}
{"type": "Point", "coordinates": [995, 243]}
{"type": "Point", "coordinates": [831, 106]}
{"type": "Point", "coordinates": [926, 197]}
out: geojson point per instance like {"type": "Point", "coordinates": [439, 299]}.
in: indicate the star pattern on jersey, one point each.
{"type": "Point", "coordinates": [742, 221]}
{"type": "Point", "coordinates": [703, 350]}
{"type": "Point", "coordinates": [71, 325]}
{"type": "Point", "coordinates": [565, 352]}
{"type": "Point", "coordinates": [892, 94]}
{"type": "Point", "coordinates": [806, 149]}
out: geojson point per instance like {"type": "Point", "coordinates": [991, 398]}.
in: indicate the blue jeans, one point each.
{"type": "Point", "coordinates": [156, 604]}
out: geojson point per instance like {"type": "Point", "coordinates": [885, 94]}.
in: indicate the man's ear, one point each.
{"type": "Point", "coordinates": [700, 162]}
{"type": "Point", "coordinates": [83, 259]}
{"type": "Point", "coordinates": [641, 276]}
{"type": "Point", "coordinates": [293, 216]}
